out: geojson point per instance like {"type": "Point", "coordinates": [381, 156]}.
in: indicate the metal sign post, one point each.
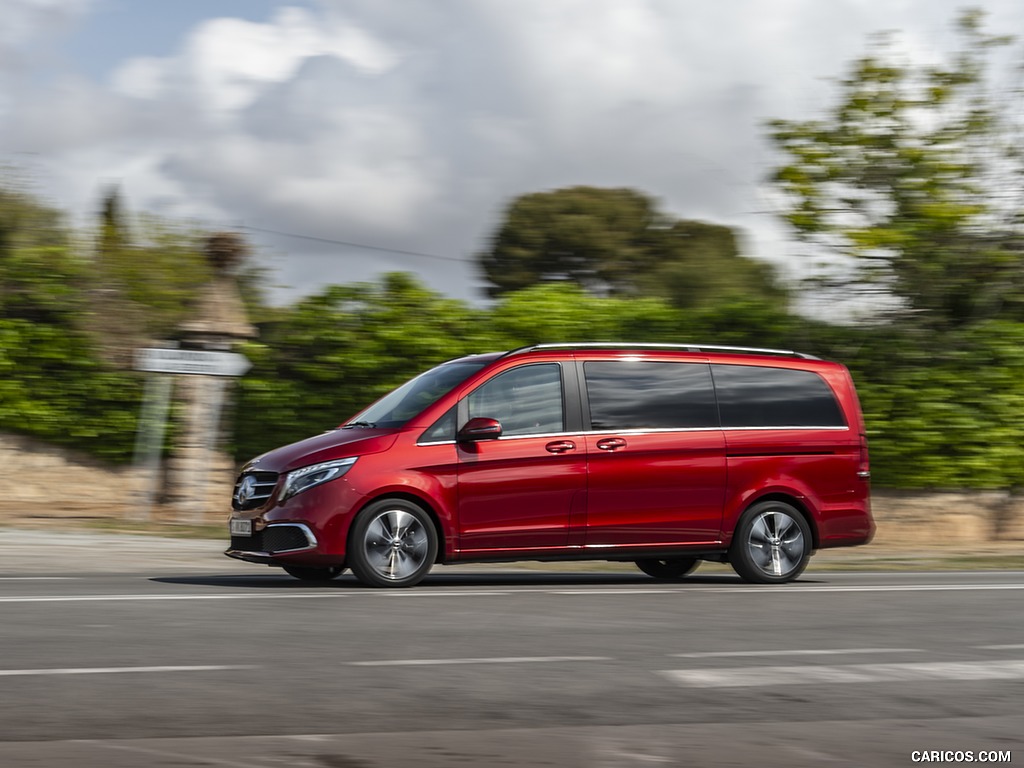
{"type": "Point", "coordinates": [149, 440]}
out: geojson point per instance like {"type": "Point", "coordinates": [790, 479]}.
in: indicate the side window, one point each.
{"type": "Point", "coordinates": [752, 396]}
{"type": "Point", "coordinates": [649, 395]}
{"type": "Point", "coordinates": [526, 400]}
{"type": "Point", "coordinates": [442, 430]}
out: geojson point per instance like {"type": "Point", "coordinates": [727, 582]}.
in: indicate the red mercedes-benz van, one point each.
{"type": "Point", "coordinates": [662, 455]}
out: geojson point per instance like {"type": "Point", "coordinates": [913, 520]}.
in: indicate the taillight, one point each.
{"type": "Point", "coordinates": [864, 465]}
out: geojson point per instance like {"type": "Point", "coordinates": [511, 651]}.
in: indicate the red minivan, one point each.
{"type": "Point", "coordinates": [660, 455]}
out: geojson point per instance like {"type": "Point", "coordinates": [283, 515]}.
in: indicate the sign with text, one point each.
{"type": "Point", "coordinates": [194, 361]}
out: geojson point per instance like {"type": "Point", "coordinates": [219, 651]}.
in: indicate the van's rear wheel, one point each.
{"type": "Point", "coordinates": [668, 569]}
{"type": "Point", "coordinates": [314, 574]}
{"type": "Point", "coordinates": [772, 543]}
{"type": "Point", "coordinates": [393, 543]}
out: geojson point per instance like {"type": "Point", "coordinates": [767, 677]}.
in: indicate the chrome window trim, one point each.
{"type": "Point", "coordinates": [791, 428]}
{"type": "Point", "coordinates": [626, 347]}
{"type": "Point", "coordinates": [538, 435]}
{"type": "Point", "coordinates": [639, 432]}
{"type": "Point", "coordinates": [658, 430]}
{"type": "Point", "coordinates": [664, 430]}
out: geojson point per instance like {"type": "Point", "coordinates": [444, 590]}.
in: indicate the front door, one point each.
{"type": "Point", "coordinates": [520, 491]}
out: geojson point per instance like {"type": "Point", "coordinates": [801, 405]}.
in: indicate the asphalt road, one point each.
{"type": "Point", "coordinates": [238, 666]}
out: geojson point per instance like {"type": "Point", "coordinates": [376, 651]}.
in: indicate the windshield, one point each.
{"type": "Point", "coordinates": [410, 399]}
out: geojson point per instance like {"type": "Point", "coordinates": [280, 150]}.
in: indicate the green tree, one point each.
{"type": "Point", "coordinates": [564, 312]}
{"type": "Point", "coordinates": [912, 179]}
{"type": "Point", "coordinates": [25, 221]}
{"type": "Point", "coordinates": [329, 355]}
{"type": "Point", "coordinates": [145, 278]}
{"type": "Point", "coordinates": [617, 242]}
{"type": "Point", "coordinates": [52, 383]}
{"type": "Point", "coordinates": [597, 238]}
{"type": "Point", "coordinates": [944, 416]}
{"type": "Point", "coordinates": [698, 265]}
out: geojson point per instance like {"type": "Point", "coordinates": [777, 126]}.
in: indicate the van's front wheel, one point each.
{"type": "Point", "coordinates": [393, 544]}
{"type": "Point", "coordinates": [772, 543]}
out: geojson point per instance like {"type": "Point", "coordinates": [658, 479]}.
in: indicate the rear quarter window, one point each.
{"type": "Point", "coordinates": [755, 396]}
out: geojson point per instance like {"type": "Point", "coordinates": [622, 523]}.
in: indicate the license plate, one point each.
{"type": "Point", "coordinates": [241, 527]}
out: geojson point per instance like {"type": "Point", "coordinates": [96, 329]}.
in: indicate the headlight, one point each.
{"type": "Point", "coordinates": [300, 480]}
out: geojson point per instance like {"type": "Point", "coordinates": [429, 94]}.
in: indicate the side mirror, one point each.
{"type": "Point", "coordinates": [479, 428]}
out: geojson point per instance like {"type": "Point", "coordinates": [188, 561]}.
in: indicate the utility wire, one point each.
{"type": "Point", "coordinates": [354, 245]}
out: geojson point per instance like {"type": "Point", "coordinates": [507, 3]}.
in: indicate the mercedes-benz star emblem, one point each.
{"type": "Point", "coordinates": [246, 489]}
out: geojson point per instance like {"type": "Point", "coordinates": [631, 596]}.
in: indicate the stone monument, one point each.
{"type": "Point", "coordinates": [200, 476]}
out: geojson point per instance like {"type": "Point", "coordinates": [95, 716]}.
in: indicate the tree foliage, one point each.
{"type": "Point", "coordinates": [699, 266]}
{"type": "Point", "coordinates": [616, 242]}
{"type": "Point", "coordinates": [943, 416]}
{"type": "Point", "coordinates": [323, 359]}
{"type": "Point", "coordinates": [144, 278]}
{"type": "Point", "coordinates": [913, 178]}
{"type": "Point", "coordinates": [52, 383]}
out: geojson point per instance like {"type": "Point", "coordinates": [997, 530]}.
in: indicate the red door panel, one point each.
{"type": "Point", "coordinates": [519, 493]}
{"type": "Point", "coordinates": [657, 488]}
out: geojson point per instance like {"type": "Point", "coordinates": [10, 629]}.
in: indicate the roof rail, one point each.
{"type": "Point", "coordinates": [681, 347]}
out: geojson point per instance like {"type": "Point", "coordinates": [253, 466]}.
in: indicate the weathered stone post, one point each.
{"type": "Point", "coordinates": [200, 476]}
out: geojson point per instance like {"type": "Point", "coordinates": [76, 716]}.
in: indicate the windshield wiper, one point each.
{"type": "Point", "coordinates": [362, 424]}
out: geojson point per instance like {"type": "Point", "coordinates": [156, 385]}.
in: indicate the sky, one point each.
{"type": "Point", "coordinates": [409, 125]}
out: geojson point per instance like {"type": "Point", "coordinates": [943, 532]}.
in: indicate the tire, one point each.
{"type": "Point", "coordinates": [670, 569]}
{"type": "Point", "coordinates": [393, 543]}
{"type": "Point", "coordinates": [313, 573]}
{"type": "Point", "coordinates": [771, 544]}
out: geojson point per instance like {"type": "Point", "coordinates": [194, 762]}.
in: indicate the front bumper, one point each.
{"type": "Point", "coordinates": [273, 541]}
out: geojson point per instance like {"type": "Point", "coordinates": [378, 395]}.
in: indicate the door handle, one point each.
{"type": "Point", "coordinates": [611, 444]}
{"type": "Point", "coordinates": [560, 446]}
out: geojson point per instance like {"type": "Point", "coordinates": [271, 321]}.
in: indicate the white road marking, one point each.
{"type": "Point", "coordinates": [496, 660]}
{"type": "Point", "coordinates": [1011, 647]}
{"type": "Point", "coordinates": [117, 670]}
{"type": "Point", "coordinates": [687, 590]}
{"type": "Point", "coordinates": [115, 598]}
{"type": "Point", "coordinates": [39, 578]}
{"type": "Point", "coordinates": [749, 677]}
{"type": "Point", "coordinates": [810, 652]}
{"type": "Point", "coordinates": [791, 589]}
{"type": "Point", "coordinates": [667, 591]}
{"type": "Point", "coordinates": [426, 592]}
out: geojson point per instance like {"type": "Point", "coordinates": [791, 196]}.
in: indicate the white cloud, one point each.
{"type": "Point", "coordinates": [29, 30]}
{"type": "Point", "coordinates": [26, 22]}
{"type": "Point", "coordinates": [227, 62]}
{"type": "Point", "coordinates": [411, 124]}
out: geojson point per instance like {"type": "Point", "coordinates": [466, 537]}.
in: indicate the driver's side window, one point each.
{"type": "Point", "coordinates": [526, 400]}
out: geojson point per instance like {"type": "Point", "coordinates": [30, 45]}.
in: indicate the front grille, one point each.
{"type": "Point", "coordinates": [277, 538]}
{"type": "Point", "coordinates": [261, 488]}
{"type": "Point", "coordinates": [252, 543]}
{"type": "Point", "coordinates": [274, 538]}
